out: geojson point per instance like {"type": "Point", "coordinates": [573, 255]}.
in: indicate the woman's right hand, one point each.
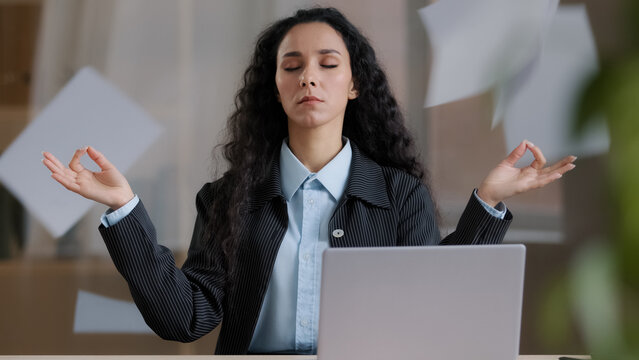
{"type": "Point", "coordinates": [108, 187]}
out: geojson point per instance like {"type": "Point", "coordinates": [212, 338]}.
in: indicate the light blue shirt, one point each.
{"type": "Point", "coordinates": [499, 211]}
{"type": "Point", "coordinates": [290, 311]}
{"type": "Point", "coordinates": [112, 217]}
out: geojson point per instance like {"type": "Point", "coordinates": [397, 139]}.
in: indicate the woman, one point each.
{"type": "Point", "coordinates": [319, 156]}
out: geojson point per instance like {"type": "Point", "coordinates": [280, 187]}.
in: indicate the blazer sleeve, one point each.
{"type": "Point", "coordinates": [178, 304]}
{"type": "Point", "coordinates": [418, 222]}
{"type": "Point", "coordinates": [477, 226]}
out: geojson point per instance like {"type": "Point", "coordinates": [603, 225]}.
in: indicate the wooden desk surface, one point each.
{"type": "Point", "coordinates": [202, 357]}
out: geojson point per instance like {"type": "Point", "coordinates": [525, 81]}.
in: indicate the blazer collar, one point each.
{"type": "Point", "coordinates": [270, 188]}
{"type": "Point", "coordinates": [365, 181]}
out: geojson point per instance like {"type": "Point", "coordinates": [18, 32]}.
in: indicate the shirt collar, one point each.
{"type": "Point", "coordinates": [366, 181]}
{"type": "Point", "coordinates": [333, 176]}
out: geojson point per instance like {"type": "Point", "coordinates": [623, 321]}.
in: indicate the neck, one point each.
{"type": "Point", "coordinates": [315, 148]}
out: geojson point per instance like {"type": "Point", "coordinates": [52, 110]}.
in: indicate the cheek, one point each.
{"type": "Point", "coordinates": [344, 79]}
{"type": "Point", "coordinates": [345, 82]}
{"type": "Point", "coordinates": [278, 82]}
{"type": "Point", "coordinates": [284, 84]}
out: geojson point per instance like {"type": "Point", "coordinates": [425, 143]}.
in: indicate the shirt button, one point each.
{"type": "Point", "coordinates": [338, 233]}
{"type": "Point", "coordinates": [307, 257]}
{"type": "Point", "coordinates": [311, 201]}
{"type": "Point", "coordinates": [305, 323]}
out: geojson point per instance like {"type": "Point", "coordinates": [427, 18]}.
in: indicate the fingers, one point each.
{"type": "Point", "coordinates": [516, 154]}
{"type": "Point", "coordinates": [562, 169]}
{"type": "Point", "coordinates": [59, 172]}
{"type": "Point", "coordinates": [540, 159]}
{"type": "Point", "coordinates": [67, 182]}
{"type": "Point", "coordinates": [55, 163]}
{"type": "Point", "coordinates": [55, 166]}
{"type": "Point", "coordinates": [52, 166]}
{"type": "Point", "coordinates": [552, 173]}
{"type": "Point", "coordinates": [561, 164]}
{"type": "Point", "coordinates": [75, 164]}
{"type": "Point", "coordinates": [544, 180]}
{"type": "Point", "coordinates": [99, 159]}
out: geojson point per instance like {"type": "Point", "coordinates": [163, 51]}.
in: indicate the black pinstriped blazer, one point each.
{"type": "Point", "coordinates": [381, 207]}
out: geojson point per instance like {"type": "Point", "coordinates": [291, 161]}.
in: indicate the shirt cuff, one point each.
{"type": "Point", "coordinates": [112, 217]}
{"type": "Point", "coordinates": [499, 211]}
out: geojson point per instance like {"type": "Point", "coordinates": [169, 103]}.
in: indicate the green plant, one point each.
{"type": "Point", "coordinates": [605, 278]}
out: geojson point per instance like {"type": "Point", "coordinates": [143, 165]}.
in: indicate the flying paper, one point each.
{"type": "Point", "coordinates": [543, 109]}
{"type": "Point", "coordinates": [100, 314]}
{"type": "Point", "coordinates": [506, 90]}
{"type": "Point", "coordinates": [477, 45]}
{"type": "Point", "coordinates": [87, 111]}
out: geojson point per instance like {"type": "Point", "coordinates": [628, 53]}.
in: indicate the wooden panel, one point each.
{"type": "Point", "coordinates": [38, 303]}
{"type": "Point", "coordinates": [19, 22]}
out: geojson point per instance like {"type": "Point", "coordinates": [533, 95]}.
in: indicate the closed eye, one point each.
{"type": "Point", "coordinates": [329, 66]}
{"type": "Point", "coordinates": [292, 68]}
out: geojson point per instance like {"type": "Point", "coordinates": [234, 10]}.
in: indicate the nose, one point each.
{"type": "Point", "coordinates": [308, 78]}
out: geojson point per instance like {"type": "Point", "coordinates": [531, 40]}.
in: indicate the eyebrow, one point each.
{"type": "Point", "coordinates": [321, 52]}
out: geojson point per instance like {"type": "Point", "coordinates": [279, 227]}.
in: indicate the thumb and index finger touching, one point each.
{"type": "Point", "coordinates": [518, 153]}
{"type": "Point", "coordinates": [99, 159]}
{"type": "Point", "coordinates": [520, 150]}
{"type": "Point", "coordinates": [75, 163]}
{"type": "Point", "coordinates": [94, 154]}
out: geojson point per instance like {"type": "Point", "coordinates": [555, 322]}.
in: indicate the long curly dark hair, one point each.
{"type": "Point", "coordinates": [257, 127]}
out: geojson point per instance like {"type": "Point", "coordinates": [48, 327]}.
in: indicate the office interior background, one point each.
{"type": "Point", "coordinates": [182, 61]}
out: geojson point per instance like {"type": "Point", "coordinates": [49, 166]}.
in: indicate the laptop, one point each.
{"type": "Point", "coordinates": [439, 303]}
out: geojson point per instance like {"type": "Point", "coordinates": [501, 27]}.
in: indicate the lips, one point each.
{"type": "Point", "coordinates": [309, 99]}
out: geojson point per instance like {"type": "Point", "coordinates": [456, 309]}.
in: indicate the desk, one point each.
{"type": "Point", "coordinates": [211, 357]}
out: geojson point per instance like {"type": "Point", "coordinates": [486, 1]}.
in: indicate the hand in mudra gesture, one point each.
{"type": "Point", "coordinates": [506, 180]}
{"type": "Point", "coordinates": [108, 186]}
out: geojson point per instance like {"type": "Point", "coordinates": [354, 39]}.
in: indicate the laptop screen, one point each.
{"type": "Point", "coordinates": [443, 302]}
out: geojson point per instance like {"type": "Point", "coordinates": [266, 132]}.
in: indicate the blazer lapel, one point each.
{"type": "Point", "coordinates": [267, 190]}
{"type": "Point", "coordinates": [365, 212]}
{"type": "Point", "coordinates": [366, 181]}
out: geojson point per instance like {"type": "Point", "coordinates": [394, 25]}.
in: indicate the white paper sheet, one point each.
{"type": "Point", "coordinates": [543, 110]}
{"type": "Point", "coordinates": [87, 111]}
{"type": "Point", "coordinates": [100, 314]}
{"type": "Point", "coordinates": [479, 44]}
{"type": "Point", "coordinates": [507, 90]}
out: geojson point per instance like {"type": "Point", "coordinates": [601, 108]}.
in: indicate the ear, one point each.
{"type": "Point", "coordinates": [352, 92]}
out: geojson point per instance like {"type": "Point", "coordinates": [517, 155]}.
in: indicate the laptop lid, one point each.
{"type": "Point", "coordinates": [441, 302]}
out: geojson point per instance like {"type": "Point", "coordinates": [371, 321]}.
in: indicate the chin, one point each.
{"type": "Point", "coordinates": [309, 122]}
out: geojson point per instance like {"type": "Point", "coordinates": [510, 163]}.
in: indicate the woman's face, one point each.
{"type": "Point", "coordinates": [313, 77]}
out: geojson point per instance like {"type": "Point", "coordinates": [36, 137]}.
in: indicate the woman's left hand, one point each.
{"type": "Point", "coordinates": [507, 180]}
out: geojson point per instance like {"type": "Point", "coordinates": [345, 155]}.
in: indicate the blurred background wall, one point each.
{"type": "Point", "coordinates": [182, 61]}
